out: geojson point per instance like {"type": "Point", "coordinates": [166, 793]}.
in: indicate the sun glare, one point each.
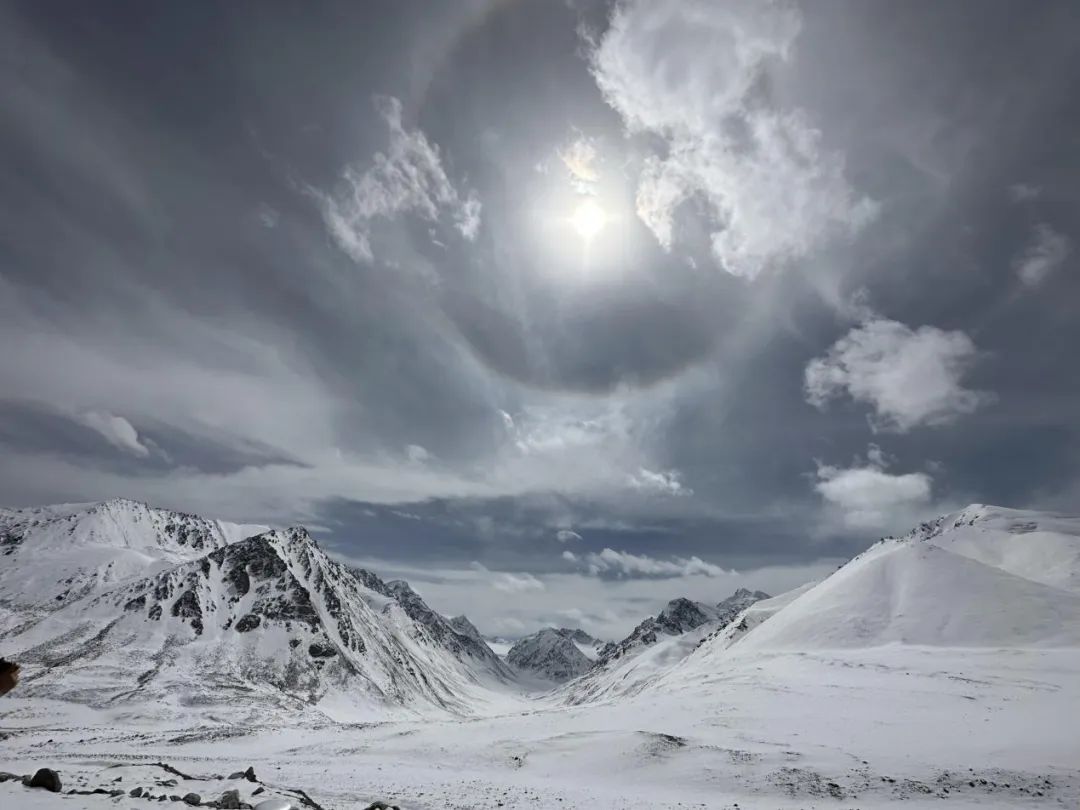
{"type": "Point", "coordinates": [588, 219]}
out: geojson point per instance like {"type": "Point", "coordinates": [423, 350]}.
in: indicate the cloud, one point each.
{"type": "Point", "coordinates": [569, 556]}
{"type": "Point", "coordinates": [117, 430]}
{"type": "Point", "coordinates": [910, 377]}
{"type": "Point", "coordinates": [417, 454]}
{"type": "Point", "coordinates": [580, 157]}
{"type": "Point", "coordinates": [625, 564]}
{"type": "Point", "coordinates": [516, 583]}
{"type": "Point", "coordinates": [1045, 253]}
{"type": "Point", "coordinates": [666, 482]}
{"type": "Point", "coordinates": [566, 535]}
{"type": "Point", "coordinates": [268, 216]}
{"type": "Point", "coordinates": [610, 607]}
{"type": "Point", "coordinates": [694, 74]}
{"type": "Point", "coordinates": [1024, 192]}
{"type": "Point", "coordinates": [408, 178]}
{"type": "Point", "coordinates": [869, 497]}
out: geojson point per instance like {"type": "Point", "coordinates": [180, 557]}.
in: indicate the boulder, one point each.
{"type": "Point", "coordinates": [193, 799]}
{"type": "Point", "coordinates": [230, 800]}
{"type": "Point", "coordinates": [135, 792]}
{"type": "Point", "coordinates": [46, 778]}
{"type": "Point", "coordinates": [276, 804]}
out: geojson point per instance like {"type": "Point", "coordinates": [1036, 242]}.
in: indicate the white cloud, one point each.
{"type": "Point", "coordinates": [417, 454]}
{"type": "Point", "coordinates": [666, 482]}
{"type": "Point", "coordinates": [117, 430]}
{"type": "Point", "coordinates": [910, 377]}
{"type": "Point", "coordinates": [516, 583]}
{"type": "Point", "coordinates": [1046, 251]}
{"type": "Point", "coordinates": [569, 556]}
{"type": "Point", "coordinates": [566, 535]}
{"type": "Point", "coordinates": [690, 71]}
{"type": "Point", "coordinates": [408, 178]}
{"type": "Point", "coordinates": [580, 157]}
{"type": "Point", "coordinates": [869, 497]}
{"type": "Point", "coordinates": [623, 563]}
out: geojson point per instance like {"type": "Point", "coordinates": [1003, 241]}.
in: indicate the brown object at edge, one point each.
{"type": "Point", "coordinates": [9, 676]}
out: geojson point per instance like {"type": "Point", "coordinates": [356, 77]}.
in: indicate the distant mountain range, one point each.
{"type": "Point", "coordinates": [118, 604]}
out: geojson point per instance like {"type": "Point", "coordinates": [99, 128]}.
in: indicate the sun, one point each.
{"type": "Point", "coordinates": [588, 219]}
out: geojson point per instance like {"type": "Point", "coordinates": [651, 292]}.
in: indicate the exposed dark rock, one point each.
{"type": "Point", "coordinates": [187, 606]}
{"type": "Point", "coordinates": [193, 799]}
{"type": "Point", "coordinates": [46, 778]}
{"type": "Point", "coordinates": [247, 622]}
{"type": "Point", "coordinates": [138, 603]}
{"type": "Point", "coordinates": [320, 649]}
{"type": "Point", "coordinates": [230, 800]}
{"type": "Point", "coordinates": [135, 792]}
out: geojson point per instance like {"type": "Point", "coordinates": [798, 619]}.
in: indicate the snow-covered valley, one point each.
{"type": "Point", "coordinates": [943, 666]}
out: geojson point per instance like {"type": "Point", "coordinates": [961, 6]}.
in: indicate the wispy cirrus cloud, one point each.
{"type": "Point", "coordinates": [408, 178]}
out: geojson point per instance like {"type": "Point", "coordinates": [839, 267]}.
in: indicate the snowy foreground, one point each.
{"type": "Point", "coordinates": [857, 729]}
{"type": "Point", "coordinates": [941, 668]}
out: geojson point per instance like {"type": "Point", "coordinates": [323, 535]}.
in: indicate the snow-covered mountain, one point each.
{"type": "Point", "coordinates": [210, 619]}
{"type": "Point", "coordinates": [658, 643]}
{"type": "Point", "coordinates": [981, 578]}
{"type": "Point", "coordinates": [55, 555]}
{"type": "Point", "coordinates": [550, 654]}
{"type": "Point", "coordinates": [679, 616]}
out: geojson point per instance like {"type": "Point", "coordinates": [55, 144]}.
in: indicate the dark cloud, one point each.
{"type": "Point", "coordinates": [182, 318]}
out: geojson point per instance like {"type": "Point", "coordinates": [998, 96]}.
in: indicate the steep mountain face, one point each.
{"type": "Point", "coordinates": [551, 655]}
{"type": "Point", "coordinates": [462, 626]}
{"type": "Point", "coordinates": [679, 616]}
{"type": "Point", "coordinates": [737, 603]}
{"type": "Point", "coordinates": [54, 555]}
{"type": "Point", "coordinates": [266, 621]}
{"type": "Point", "coordinates": [657, 644]}
{"type": "Point", "coordinates": [589, 646]}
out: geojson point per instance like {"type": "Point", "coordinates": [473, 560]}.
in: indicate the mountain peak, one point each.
{"type": "Point", "coordinates": [551, 654]}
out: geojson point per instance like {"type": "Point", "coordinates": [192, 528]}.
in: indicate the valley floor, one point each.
{"type": "Point", "coordinates": [859, 729]}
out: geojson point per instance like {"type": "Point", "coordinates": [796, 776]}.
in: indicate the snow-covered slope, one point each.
{"type": "Point", "coordinates": [656, 645]}
{"type": "Point", "coordinates": [1035, 545]}
{"type": "Point", "coordinates": [54, 555]}
{"type": "Point", "coordinates": [915, 592]}
{"type": "Point", "coordinates": [590, 646]}
{"type": "Point", "coordinates": [549, 654]}
{"type": "Point", "coordinates": [268, 620]}
{"type": "Point", "coordinates": [983, 577]}
{"type": "Point", "coordinates": [678, 616]}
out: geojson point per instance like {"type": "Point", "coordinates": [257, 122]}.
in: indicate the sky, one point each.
{"type": "Point", "coordinates": [557, 309]}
